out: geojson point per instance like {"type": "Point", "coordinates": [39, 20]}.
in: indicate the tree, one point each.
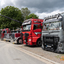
{"type": "Point", "coordinates": [32, 16]}
{"type": "Point", "coordinates": [25, 12]}
{"type": "Point", "coordinates": [12, 12]}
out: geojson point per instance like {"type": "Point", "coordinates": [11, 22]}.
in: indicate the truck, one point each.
{"type": "Point", "coordinates": [31, 32]}
{"type": "Point", "coordinates": [15, 34]}
{"type": "Point", "coordinates": [53, 33]}
{"type": "Point", "coordinates": [10, 35]}
{"type": "Point", "coordinates": [6, 34]}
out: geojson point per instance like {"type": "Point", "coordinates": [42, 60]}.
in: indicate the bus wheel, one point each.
{"type": "Point", "coordinates": [19, 41]}
{"type": "Point", "coordinates": [39, 43]}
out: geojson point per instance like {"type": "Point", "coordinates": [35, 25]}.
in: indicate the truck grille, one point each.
{"type": "Point", "coordinates": [51, 39]}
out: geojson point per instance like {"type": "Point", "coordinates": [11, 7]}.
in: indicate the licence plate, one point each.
{"type": "Point", "coordinates": [48, 46]}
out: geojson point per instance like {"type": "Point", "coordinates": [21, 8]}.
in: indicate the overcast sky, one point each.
{"type": "Point", "coordinates": [42, 8]}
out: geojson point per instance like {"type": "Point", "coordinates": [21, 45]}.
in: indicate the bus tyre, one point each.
{"type": "Point", "coordinates": [39, 43]}
{"type": "Point", "coordinates": [19, 41]}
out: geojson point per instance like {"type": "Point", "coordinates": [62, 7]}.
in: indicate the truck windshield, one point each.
{"type": "Point", "coordinates": [26, 27]}
{"type": "Point", "coordinates": [52, 26]}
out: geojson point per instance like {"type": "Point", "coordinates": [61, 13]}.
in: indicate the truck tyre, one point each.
{"type": "Point", "coordinates": [19, 41]}
{"type": "Point", "coordinates": [54, 48]}
{"type": "Point", "coordinates": [55, 45]}
{"type": "Point", "coordinates": [39, 43]}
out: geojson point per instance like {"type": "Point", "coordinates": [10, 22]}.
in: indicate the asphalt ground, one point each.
{"type": "Point", "coordinates": [51, 56]}
{"type": "Point", "coordinates": [56, 57]}
{"type": "Point", "coordinates": [10, 54]}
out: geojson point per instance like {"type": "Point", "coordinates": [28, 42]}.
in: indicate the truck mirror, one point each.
{"type": "Point", "coordinates": [63, 23]}
{"type": "Point", "coordinates": [63, 26]}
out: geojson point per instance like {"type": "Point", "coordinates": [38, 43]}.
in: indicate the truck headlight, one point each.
{"type": "Point", "coordinates": [60, 44]}
{"type": "Point", "coordinates": [29, 39]}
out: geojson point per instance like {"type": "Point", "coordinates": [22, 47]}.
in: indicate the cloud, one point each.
{"type": "Point", "coordinates": [4, 3]}
{"type": "Point", "coordinates": [42, 15]}
{"type": "Point", "coordinates": [40, 7]}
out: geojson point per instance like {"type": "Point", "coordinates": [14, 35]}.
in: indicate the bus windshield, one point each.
{"type": "Point", "coordinates": [52, 26]}
{"type": "Point", "coordinates": [26, 27]}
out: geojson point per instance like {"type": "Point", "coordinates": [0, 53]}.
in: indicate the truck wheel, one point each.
{"type": "Point", "coordinates": [54, 48]}
{"type": "Point", "coordinates": [19, 41]}
{"type": "Point", "coordinates": [39, 43]}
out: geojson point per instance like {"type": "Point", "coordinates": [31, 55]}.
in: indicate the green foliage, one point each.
{"type": "Point", "coordinates": [12, 12]}
{"type": "Point", "coordinates": [25, 12]}
{"type": "Point", "coordinates": [32, 16]}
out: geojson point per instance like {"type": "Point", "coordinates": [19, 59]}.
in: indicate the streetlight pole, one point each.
{"type": "Point", "coordinates": [10, 18]}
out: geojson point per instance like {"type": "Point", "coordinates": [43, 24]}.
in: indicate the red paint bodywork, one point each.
{"type": "Point", "coordinates": [17, 35]}
{"type": "Point", "coordinates": [32, 34]}
{"type": "Point", "coordinates": [7, 31]}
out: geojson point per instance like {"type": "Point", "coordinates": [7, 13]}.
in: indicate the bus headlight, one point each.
{"type": "Point", "coordinates": [29, 39]}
